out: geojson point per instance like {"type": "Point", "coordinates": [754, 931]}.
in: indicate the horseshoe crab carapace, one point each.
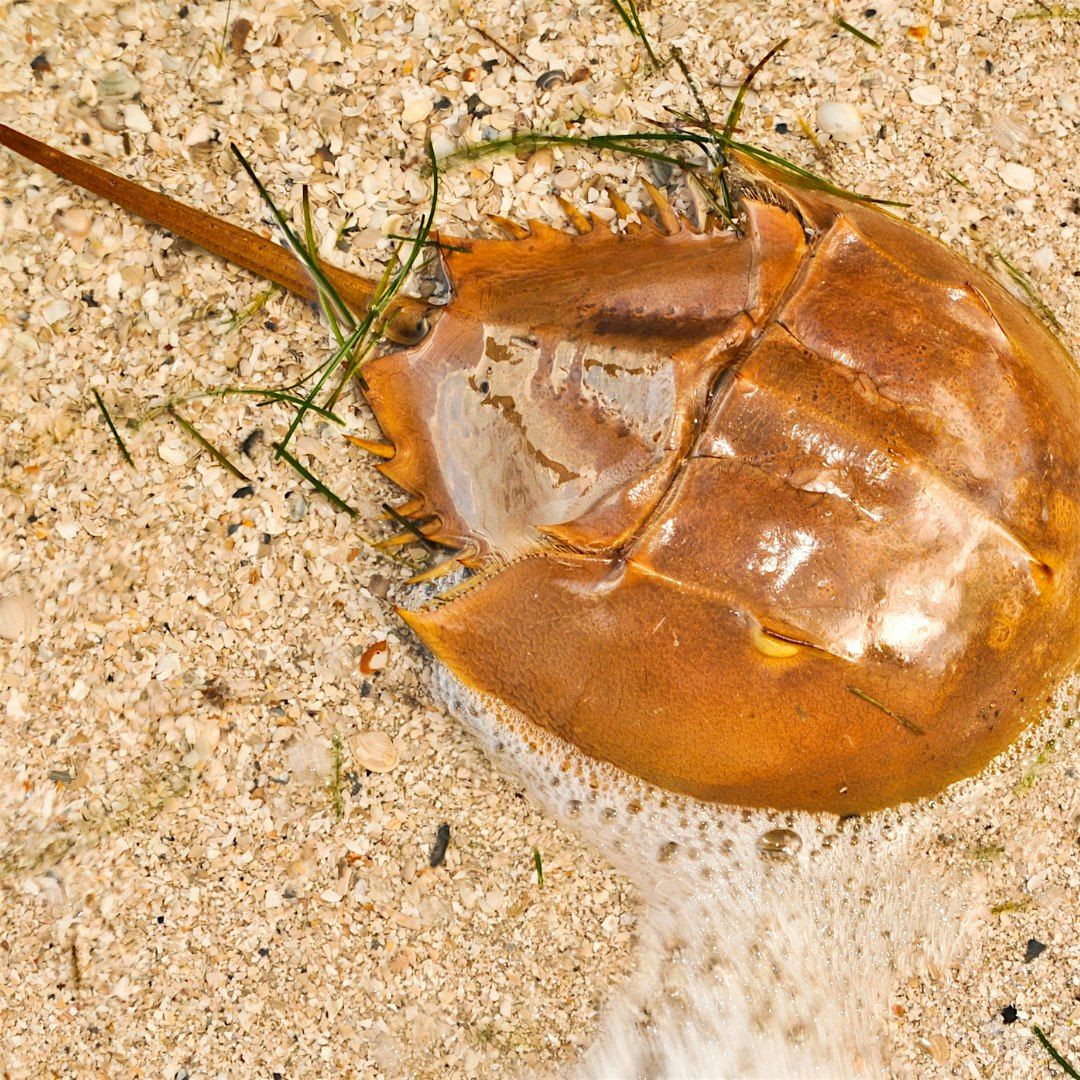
{"type": "Point", "coordinates": [783, 516]}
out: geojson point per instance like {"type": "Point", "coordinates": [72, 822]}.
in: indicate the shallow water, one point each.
{"type": "Point", "coordinates": [770, 942]}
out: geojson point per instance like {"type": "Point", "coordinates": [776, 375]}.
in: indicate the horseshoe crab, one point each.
{"type": "Point", "coordinates": [781, 516]}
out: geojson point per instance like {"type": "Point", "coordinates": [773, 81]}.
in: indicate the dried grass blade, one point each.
{"type": "Point", "coordinates": [807, 177]}
{"type": "Point", "coordinates": [301, 252]}
{"type": "Point", "coordinates": [112, 427]}
{"type": "Point", "coordinates": [856, 32]}
{"type": "Point", "coordinates": [903, 721]}
{"type": "Point", "coordinates": [383, 297]}
{"type": "Point", "coordinates": [1048, 1046]}
{"type": "Point", "coordinates": [312, 247]}
{"type": "Point", "coordinates": [735, 112]}
{"type": "Point", "coordinates": [316, 483]}
{"type": "Point", "coordinates": [208, 446]}
{"type": "Point", "coordinates": [628, 12]}
{"type": "Point", "coordinates": [1025, 283]}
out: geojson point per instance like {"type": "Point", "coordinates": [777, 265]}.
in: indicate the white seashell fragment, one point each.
{"type": "Point", "coordinates": [199, 132]}
{"type": "Point", "coordinates": [841, 120]}
{"type": "Point", "coordinates": [18, 617]}
{"type": "Point", "coordinates": [118, 84]}
{"type": "Point", "coordinates": [172, 452]}
{"type": "Point", "coordinates": [310, 760]}
{"type": "Point", "coordinates": [55, 310]}
{"type": "Point", "coordinates": [1043, 259]}
{"type": "Point", "coordinates": [375, 751]}
{"type": "Point", "coordinates": [924, 94]}
{"type": "Point", "coordinates": [1018, 177]}
{"type": "Point", "coordinates": [416, 108]}
{"type": "Point", "coordinates": [136, 120]}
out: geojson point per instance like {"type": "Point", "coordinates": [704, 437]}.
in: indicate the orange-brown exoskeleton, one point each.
{"type": "Point", "coordinates": [779, 516]}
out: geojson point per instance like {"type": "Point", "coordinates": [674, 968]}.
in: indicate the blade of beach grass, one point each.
{"type": "Point", "coordinates": [857, 33]}
{"type": "Point", "coordinates": [112, 427]}
{"type": "Point", "coordinates": [627, 10]}
{"type": "Point", "coordinates": [208, 446]}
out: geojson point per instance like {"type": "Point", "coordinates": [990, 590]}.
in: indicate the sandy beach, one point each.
{"type": "Point", "coordinates": [208, 864]}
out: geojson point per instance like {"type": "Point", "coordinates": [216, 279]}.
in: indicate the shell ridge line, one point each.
{"type": "Point", "coordinates": [903, 456]}
{"type": "Point", "coordinates": [920, 468]}
{"type": "Point", "coordinates": [717, 401]}
{"type": "Point", "coordinates": [734, 605]}
{"type": "Point", "coordinates": [701, 415]}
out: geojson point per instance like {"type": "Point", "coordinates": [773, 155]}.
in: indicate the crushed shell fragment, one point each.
{"type": "Point", "coordinates": [374, 658]}
{"type": "Point", "coordinates": [18, 617]}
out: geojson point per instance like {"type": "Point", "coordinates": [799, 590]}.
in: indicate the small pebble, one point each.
{"type": "Point", "coordinates": [1034, 949]}
{"type": "Point", "coordinates": [247, 447]}
{"type": "Point", "coordinates": [296, 505]}
{"type": "Point", "coordinates": [1008, 1014]}
{"type": "Point", "coordinates": [1018, 177]}
{"type": "Point", "coordinates": [924, 94]}
{"type": "Point", "coordinates": [438, 849]}
{"type": "Point", "coordinates": [841, 120]}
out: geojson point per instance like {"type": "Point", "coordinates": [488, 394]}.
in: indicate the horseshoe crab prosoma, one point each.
{"type": "Point", "coordinates": [785, 516]}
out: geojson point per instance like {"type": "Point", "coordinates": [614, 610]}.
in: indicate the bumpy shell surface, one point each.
{"type": "Point", "coordinates": [787, 519]}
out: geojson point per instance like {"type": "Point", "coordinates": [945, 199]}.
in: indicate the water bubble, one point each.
{"type": "Point", "coordinates": [779, 844]}
{"type": "Point", "coordinates": [667, 851]}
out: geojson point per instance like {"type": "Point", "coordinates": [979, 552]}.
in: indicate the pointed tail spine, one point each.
{"type": "Point", "coordinates": [230, 242]}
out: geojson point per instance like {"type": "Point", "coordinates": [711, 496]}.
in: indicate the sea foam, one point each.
{"type": "Point", "coordinates": [769, 942]}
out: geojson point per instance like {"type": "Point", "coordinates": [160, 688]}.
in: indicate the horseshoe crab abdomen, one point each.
{"type": "Point", "coordinates": [861, 576]}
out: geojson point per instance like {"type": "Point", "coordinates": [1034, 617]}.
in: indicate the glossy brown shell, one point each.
{"type": "Point", "coordinates": [786, 519]}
